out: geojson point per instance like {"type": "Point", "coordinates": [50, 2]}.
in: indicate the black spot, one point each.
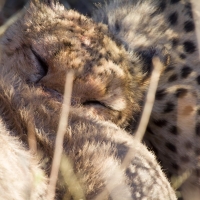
{"type": "Point", "coordinates": [198, 129]}
{"type": "Point", "coordinates": [171, 147]}
{"type": "Point", "coordinates": [67, 44]}
{"type": "Point", "coordinates": [162, 6]}
{"type": "Point", "coordinates": [173, 18]}
{"type": "Point", "coordinates": [129, 173]}
{"type": "Point", "coordinates": [117, 27]}
{"type": "Point", "coordinates": [175, 166]}
{"type": "Point", "coordinates": [182, 56]}
{"type": "Point", "coordinates": [160, 94]}
{"type": "Point", "coordinates": [154, 148]}
{"type": "Point", "coordinates": [174, 130]}
{"type": "Point", "coordinates": [188, 8]}
{"type": "Point", "coordinates": [9, 39]}
{"type": "Point", "coordinates": [186, 71]}
{"type": "Point", "coordinates": [198, 79]}
{"type": "Point", "coordinates": [189, 26]}
{"type": "Point", "coordinates": [146, 56]}
{"type": "Point", "coordinates": [197, 151]}
{"type": "Point", "coordinates": [150, 131]}
{"type": "Point", "coordinates": [172, 78]}
{"type": "Point", "coordinates": [100, 56]}
{"type": "Point", "coordinates": [175, 42]}
{"type": "Point", "coordinates": [189, 46]}
{"type": "Point", "coordinates": [188, 145]}
{"type": "Point", "coordinates": [169, 68]}
{"type": "Point", "coordinates": [100, 74]}
{"type": "Point", "coordinates": [198, 172]}
{"type": "Point", "coordinates": [108, 53]}
{"type": "Point", "coordinates": [123, 149]}
{"type": "Point", "coordinates": [198, 111]}
{"type": "Point", "coordinates": [185, 159]}
{"type": "Point", "coordinates": [120, 117]}
{"type": "Point", "coordinates": [181, 92]}
{"type": "Point", "coordinates": [169, 107]}
{"type": "Point", "coordinates": [160, 122]}
{"type": "Point", "coordinates": [174, 1]}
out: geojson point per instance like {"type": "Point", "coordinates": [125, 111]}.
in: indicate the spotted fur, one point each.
{"type": "Point", "coordinates": [174, 128]}
{"type": "Point", "coordinates": [36, 53]}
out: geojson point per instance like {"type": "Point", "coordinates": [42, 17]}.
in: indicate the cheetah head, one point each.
{"type": "Point", "coordinates": [49, 41]}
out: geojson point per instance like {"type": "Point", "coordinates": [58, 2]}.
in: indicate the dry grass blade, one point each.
{"type": "Point", "coordinates": [158, 66]}
{"type": "Point", "coordinates": [70, 179]}
{"type": "Point", "coordinates": [60, 136]}
{"type": "Point", "coordinates": [179, 180]}
{"type": "Point", "coordinates": [32, 137]}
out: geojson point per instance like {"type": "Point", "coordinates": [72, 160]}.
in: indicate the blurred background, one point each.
{"type": "Point", "coordinates": [10, 7]}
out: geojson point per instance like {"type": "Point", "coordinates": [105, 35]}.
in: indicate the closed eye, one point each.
{"type": "Point", "coordinates": [43, 67]}
{"type": "Point", "coordinates": [93, 102]}
{"type": "Point", "coordinates": [96, 103]}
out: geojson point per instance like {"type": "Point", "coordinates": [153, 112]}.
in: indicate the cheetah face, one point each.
{"type": "Point", "coordinates": [44, 48]}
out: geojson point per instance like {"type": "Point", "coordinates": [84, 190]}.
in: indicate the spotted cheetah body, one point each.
{"type": "Point", "coordinates": [174, 128]}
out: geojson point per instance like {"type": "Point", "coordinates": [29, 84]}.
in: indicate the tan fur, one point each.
{"type": "Point", "coordinates": [106, 74]}
{"type": "Point", "coordinates": [49, 36]}
{"type": "Point", "coordinates": [98, 148]}
{"type": "Point", "coordinates": [20, 174]}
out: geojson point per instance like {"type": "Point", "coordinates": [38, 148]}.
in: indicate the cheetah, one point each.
{"type": "Point", "coordinates": [174, 128]}
{"type": "Point", "coordinates": [97, 150]}
{"type": "Point", "coordinates": [36, 53]}
{"type": "Point", "coordinates": [21, 176]}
